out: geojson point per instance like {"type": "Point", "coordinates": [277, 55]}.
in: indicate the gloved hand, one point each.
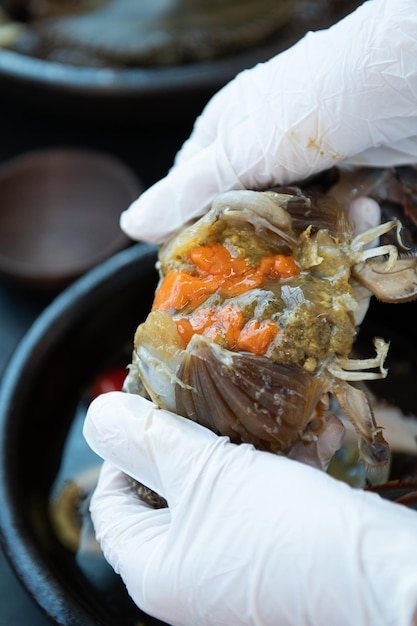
{"type": "Point", "coordinates": [235, 547]}
{"type": "Point", "coordinates": [249, 537]}
{"type": "Point", "coordinates": [349, 92]}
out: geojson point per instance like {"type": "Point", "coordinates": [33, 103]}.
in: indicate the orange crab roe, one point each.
{"type": "Point", "coordinates": [228, 323]}
{"type": "Point", "coordinates": [217, 271]}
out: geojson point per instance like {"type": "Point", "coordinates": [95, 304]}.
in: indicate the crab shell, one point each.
{"type": "Point", "coordinates": [273, 393]}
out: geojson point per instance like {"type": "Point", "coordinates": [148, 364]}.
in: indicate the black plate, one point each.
{"type": "Point", "coordinates": [85, 328]}
{"type": "Point", "coordinates": [88, 327]}
{"type": "Point", "coordinates": [118, 96]}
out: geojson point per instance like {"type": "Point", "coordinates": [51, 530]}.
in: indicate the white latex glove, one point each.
{"type": "Point", "coordinates": [249, 538]}
{"type": "Point", "coordinates": [349, 91]}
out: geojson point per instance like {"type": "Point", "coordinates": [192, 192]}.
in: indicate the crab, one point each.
{"type": "Point", "coordinates": [255, 317]}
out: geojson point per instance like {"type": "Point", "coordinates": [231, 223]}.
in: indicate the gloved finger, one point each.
{"type": "Point", "coordinates": [294, 116]}
{"type": "Point", "coordinates": [184, 194]}
{"type": "Point", "coordinates": [358, 44]}
{"type": "Point", "coordinates": [123, 523]}
{"type": "Point", "coordinates": [146, 442]}
{"type": "Point", "coordinates": [204, 132]}
{"type": "Point", "coordinates": [220, 113]}
{"type": "Point", "coordinates": [336, 535]}
{"type": "Point", "coordinates": [403, 152]}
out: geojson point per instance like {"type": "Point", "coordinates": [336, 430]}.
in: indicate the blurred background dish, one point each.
{"type": "Point", "coordinates": [120, 59]}
{"type": "Point", "coordinates": [127, 33]}
{"type": "Point", "coordinates": [60, 212]}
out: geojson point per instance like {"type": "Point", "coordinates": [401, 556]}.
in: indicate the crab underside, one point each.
{"type": "Point", "coordinates": [255, 318]}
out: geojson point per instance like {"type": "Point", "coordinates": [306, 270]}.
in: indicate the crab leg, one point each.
{"type": "Point", "coordinates": [355, 376]}
{"type": "Point", "coordinates": [388, 249]}
{"type": "Point", "coordinates": [370, 234]}
{"type": "Point", "coordinates": [353, 369]}
{"type": "Point", "coordinates": [372, 446]}
{"type": "Point", "coordinates": [360, 255]}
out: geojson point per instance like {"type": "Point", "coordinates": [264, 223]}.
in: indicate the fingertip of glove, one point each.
{"type": "Point", "coordinates": [134, 223]}
{"type": "Point", "coordinates": [106, 414]}
{"type": "Point", "coordinates": [100, 406]}
{"type": "Point", "coordinates": [146, 219]}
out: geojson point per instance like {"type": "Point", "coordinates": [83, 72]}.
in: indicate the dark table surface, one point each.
{"type": "Point", "coordinates": [149, 149]}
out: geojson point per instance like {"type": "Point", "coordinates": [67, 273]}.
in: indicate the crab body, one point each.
{"type": "Point", "coordinates": [256, 314]}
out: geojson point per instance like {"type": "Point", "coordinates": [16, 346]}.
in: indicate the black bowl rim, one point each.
{"type": "Point", "coordinates": [127, 82]}
{"type": "Point", "coordinates": [24, 555]}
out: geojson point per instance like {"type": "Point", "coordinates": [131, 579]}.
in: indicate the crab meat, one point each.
{"type": "Point", "coordinates": [256, 314]}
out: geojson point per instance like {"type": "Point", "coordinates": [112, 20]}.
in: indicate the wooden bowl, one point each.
{"type": "Point", "coordinates": [59, 214]}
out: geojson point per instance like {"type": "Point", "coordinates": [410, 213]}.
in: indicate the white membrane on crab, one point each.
{"type": "Point", "coordinates": [157, 357]}
{"type": "Point", "coordinates": [158, 379]}
{"type": "Point", "coordinates": [362, 296]}
{"type": "Point", "coordinates": [270, 207]}
{"type": "Point", "coordinates": [293, 296]}
{"type": "Point", "coordinates": [262, 210]}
